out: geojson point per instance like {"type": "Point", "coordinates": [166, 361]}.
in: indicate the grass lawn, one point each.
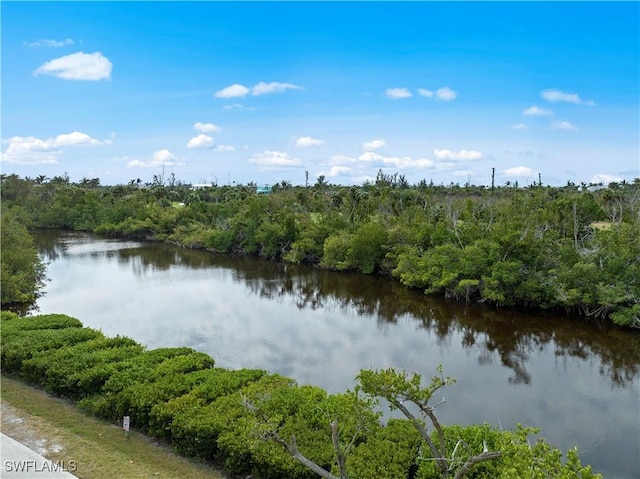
{"type": "Point", "coordinates": [62, 432]}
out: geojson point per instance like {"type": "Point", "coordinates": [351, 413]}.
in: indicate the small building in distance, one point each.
{"type": "Point", "coordinates": [263, 189]}
{"type": "Point", "coordinates": [201, 186]}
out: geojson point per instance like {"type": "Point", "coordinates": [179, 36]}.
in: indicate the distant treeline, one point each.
{"type": "Point", "coordinates": [575, 248]}
{"type": "Point", "coordinates": [240, 418]}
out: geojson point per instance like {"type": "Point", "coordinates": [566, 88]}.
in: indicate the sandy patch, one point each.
{"type": "Point", "coordinates": [29, 430]}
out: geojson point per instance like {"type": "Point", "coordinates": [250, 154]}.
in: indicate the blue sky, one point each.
{"type": "Point", "coordinates": [264, 92]}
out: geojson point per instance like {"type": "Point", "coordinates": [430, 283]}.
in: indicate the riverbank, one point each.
{"type": "Point", "coordinates": [542, 248]}
{"type": "Point", "coordinates": [61, 432]}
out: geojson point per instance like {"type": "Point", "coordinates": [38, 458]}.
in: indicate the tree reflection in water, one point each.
{"type": "Point", "coordinates": [509, 335]}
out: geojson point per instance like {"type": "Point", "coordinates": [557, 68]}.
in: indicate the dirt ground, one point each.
{"type": "Point", "coordinates": [29, 430]}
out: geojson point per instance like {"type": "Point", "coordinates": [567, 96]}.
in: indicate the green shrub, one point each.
{"type": "Point", "coordinates": [195, 431]}
{"type": "Point", "coordinates": [388, 453]}
{"type": "Point", "coordinates": [228, 416]}
{"type": "Point", "coordinates": [336, 252]}
{"type": "Point", "coordinates": [131, 374]}
{"type": "Point", "coordinates": [8, 316]}
{"type": "Point", "coordinates": [220, 240]}
{"type": "Point", "coordinates": [137, 401]}
{"type": "Point", "coordinates": [162, 415]}
{"type": "Point", "coordinates": [181, 364]}
{"type": "Point", "coordinates": [54, 369]}
{"type": "Point", "coordinates": [217, 382]}
{"type": "Point", "coordinates": [141, 368]}
{"type": "Point", "coordinates": [30, 323]}
{"type": "Point", "coordinates": [519, 457]}
{"type": "Point", "coordinates": [23, 345]}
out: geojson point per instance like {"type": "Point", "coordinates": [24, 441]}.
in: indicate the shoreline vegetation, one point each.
{"type": "Point", "coordinates": [255, 424]}
{"type": "Point", "coordinates": [574, 248]}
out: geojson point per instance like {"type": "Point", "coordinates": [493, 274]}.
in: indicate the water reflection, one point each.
{"type": "Point", "coordinates": [509, 336]}
{"type": "Point", "coordinates": [577, 380]}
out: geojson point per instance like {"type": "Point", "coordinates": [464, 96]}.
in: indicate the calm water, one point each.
{"type": "Point", "coordinates": [577, 381]}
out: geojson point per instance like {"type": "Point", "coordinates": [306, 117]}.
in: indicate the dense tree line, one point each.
{"type": "Point", "coordinates": [575, 248]}
{"type": "Point", "coordinates": [265, 425]}
{"type": "Point", "coordinates": [23, 272]}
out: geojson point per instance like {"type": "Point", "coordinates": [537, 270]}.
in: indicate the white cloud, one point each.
{"type": "Point", "coordinates": [518, 172]}
{"type": "Point", "coordinates": [522, 153]}
{"type": "Point", "coordinates": [446, 94]}
{"type": "Point", "coordinates": [370, 156]}
{"type": "Point", "coordinates": [273, 87]}
{"type": "Point", "coordinates": [605, 178]}
{"type": "Point", "coordinates": [563, 125]}
{"type": "Point", "coordinates": [403, 162]}
{"type": "Point", "coordinates": [341, 160]}
{"type": "Point", "coordinates": [225, 148]}
{"type": "Point", "coordinates": [164, 156]}
{"type": "Point", "coordinates": [76, 138]}
{"type": "Point", "coordinates": [465, 173]}
{"type": "Point", "coordinates": [236, 106]}
{"type": "Point", "coordinates": [30, 151]}
{"type": "Point", "coordinates": [274, 159]}
{"type": "Point", "coordinates": [78, 66]}
{"type": "Point", "coordinates": [397, 93]}
{"type": "Point", "coordinates": [554, 96]}
{"type": "Point", "coordinates": [35, 151]}
{"type": "Point", "coordinates": [336, 171]}
{"type": "Point", "coordinates": [206, 127]}
{"type": "Point", "coordinates": [232, 91]}
{"type": "Point", "coordinates": [307, 141]}
{"type": "Point", "coordinates": [200, 141]}
{"type": "Point", "coordinates": [519, 126]}
{"type": "Point", "coordinates": [358, 180]}
{"type": "Point", "coordinates": [462, 155]}
{"type": "Point", "coordinates": [159, 158]}
{"type": "Point", "coordinates": [236, 90]}
{"type": "Point", "coordinates": [373, 144]}
{"type": "Point", "coordinates": [47, 42]}
{"type": "Point", "coordinates": [537, 111]}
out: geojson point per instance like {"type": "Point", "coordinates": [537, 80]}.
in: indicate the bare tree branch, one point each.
{"type": "Point", "coordinates": [340, 456]}
{"type": "Point", "coordinates": [472, 461]}
{"type": "Point", "coordinates": [440, 460]}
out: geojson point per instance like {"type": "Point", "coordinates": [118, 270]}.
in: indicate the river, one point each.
{"type": "Point", "coordinates": [577, 380]}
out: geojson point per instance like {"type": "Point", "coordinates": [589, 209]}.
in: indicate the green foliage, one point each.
{"type": "Point", "coordinates": [539, 460]}
{"type": "Point", "coordinates": [138, 400]}
{"type": "Point", "coordinates": [229, 416]}
{"type": "Point", "coordinates": [142, 368]}
{"type": "Point", "coordinates": [535, 247]}
{"type": "Point", "coordinates": [57, 370]}
{"type": "Point", "coordinates": [336, 252]}
{"type": "Point", "coordinates": [138, 383]}
{"type": "Point", "coordinates": [195, 430]}
{"type": "Point", "coordinates": [45, 321]}
{"type": "Point", "coordinates": [216, 383]}
{"type": "Point", "coordinates": [22, 271]}
{"type": "Point", "coordinates": [8, 316]}
{"type": "Point", "coordinates": [390, 453]}
{"type": "Point", "coordinates": [293, 410]}
{"type": "Point", "coordinates": [312, 231]}
{"type": "Point", "coordinates": [394, 385]}
{"type": "Point", "coordinates": [628, 317]}
{"type": "Point", "coordinates": [20, 346]}
{"type": "Point", "coordinates": [219, 240]}
{"type": "Point", "coordinates": [367, 247]}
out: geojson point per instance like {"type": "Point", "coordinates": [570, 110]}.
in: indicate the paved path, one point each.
{"type": "Point", "coordinates": [20, 462]}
